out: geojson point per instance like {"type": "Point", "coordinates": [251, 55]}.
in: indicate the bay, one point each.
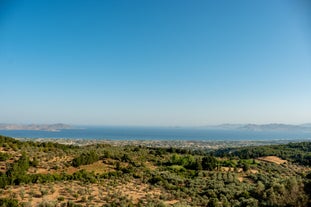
{"type": "Point", "coordinates": [158, 133]}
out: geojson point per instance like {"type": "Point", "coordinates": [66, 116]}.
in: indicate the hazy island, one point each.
{"type": "Point", "coordinates": [263, 127]}
{"type": "Point", "coordinates": [242, 127]}
{"type": "Point", "coordinates": [36, 127]}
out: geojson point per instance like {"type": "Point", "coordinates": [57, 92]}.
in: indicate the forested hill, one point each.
{"type": "Point", "coordinates": [52, 174]}
{"type": "Point", "coordinates": [299, 153]}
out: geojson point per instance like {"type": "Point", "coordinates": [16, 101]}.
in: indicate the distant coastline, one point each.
{"type": "Point", "coordinates": [263, 127]}
{"type": "Point", "coordinates": [182, 144]}
{"type": "Point", "coordinates": [36, 127]}
{"type": "Point", "coordinates": [242, 127]}
{"type": "Point", "coordinates": [158, 133]}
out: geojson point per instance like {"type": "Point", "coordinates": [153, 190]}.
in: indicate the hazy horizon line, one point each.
{"type": "Point", "coordinates": [148, 125]}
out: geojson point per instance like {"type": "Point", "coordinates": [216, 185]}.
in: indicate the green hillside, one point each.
{"type": "Point", "coordinates": [51, 174]}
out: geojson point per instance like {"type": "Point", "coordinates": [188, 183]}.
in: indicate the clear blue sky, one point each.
{"type": "Point", "coordinates": [162, 62]}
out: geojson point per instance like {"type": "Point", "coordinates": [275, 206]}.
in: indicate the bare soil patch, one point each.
{"type": "Point", "coordinates": [273, 159]}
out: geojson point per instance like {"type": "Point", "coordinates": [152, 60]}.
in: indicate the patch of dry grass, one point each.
{"type": "Point", "coordinates": [273, 159]}
{"type": "Point", "coordinates": [85, 194]}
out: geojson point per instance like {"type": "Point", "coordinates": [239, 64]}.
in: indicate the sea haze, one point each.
{"type": "Point", "coordinates": [160, 133]}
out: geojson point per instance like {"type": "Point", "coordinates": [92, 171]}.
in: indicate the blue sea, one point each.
{"type": "Point", "coordinates": [159, 133]}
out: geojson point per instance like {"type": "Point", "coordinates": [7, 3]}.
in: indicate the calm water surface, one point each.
{"type": "Point", "coordinates": [158, 133]}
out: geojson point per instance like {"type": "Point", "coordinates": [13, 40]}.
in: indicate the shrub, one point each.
{"type": "Point", "coordinates": [4, 156]}
{"type": "Point", "coordinates": [85, 159]}
{"type": "Point", "coordinates": [7, 202]}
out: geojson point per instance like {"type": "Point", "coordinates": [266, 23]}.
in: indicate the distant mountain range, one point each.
{"type": "Point", "coordinates": [243, 127]}
{"type": "Point", "coordinates": [263, 127]}
{"type": "Point", "coordinates": [36, 127]}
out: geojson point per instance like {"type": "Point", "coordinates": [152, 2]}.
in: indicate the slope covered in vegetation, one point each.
{"type": "Point", "coordinates": [51, 174]}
